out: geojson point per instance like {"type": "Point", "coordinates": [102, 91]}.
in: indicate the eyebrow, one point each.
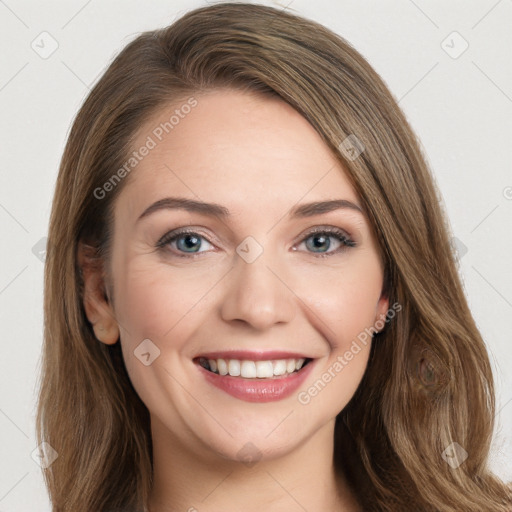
{"type": "Point", "coordinates": [217, 210]}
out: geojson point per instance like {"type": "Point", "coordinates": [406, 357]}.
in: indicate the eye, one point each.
{"type": "Point", "coordinates": [185, 241]}
{"type": "Point", "coordinates": [319, 241]}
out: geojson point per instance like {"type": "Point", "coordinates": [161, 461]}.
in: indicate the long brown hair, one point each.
{"type": "Point", "coordinates": [428, 383]}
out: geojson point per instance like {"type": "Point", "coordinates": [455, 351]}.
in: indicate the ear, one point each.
{"type": "Point", "coordinates": [381, 310]}
{"type": "Point", "coordinates": [97, 305]}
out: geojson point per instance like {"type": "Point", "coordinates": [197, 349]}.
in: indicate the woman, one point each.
{"type": "Point", "coordinates": [250, 297]}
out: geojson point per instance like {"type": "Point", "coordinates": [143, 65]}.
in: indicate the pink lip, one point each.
{"type": "Point", "coordinates": [246, 355]}
{"type": "Point", "coordinates": [257, 390]}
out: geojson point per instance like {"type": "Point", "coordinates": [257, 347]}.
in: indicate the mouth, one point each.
{"type": "Point", "coordinates": [255, 376]}
{"type": "Point", "coordinates": [253, 369]}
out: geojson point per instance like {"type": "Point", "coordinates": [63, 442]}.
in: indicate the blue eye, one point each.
{"type": "Point", "coordinates": [185, 241]}
{"type": "Point", "coordinates": [321, 241]}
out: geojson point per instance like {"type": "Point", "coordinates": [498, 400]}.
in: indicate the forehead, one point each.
{"type": "Point", "coordinates": [245, 150]}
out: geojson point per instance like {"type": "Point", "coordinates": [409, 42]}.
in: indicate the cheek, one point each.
{"type": "Point", "coordinates": [347, 311]}
{"type": "Point", "coordinates": [154, 302]}
{"type": "Point", "coordinates": [342, 305]}
{"type": "Point", "coordinates": [344, 300]}
{"type": "Point", "coordinates": [166, 306]}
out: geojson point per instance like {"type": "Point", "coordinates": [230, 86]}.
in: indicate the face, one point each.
{"type": "Point", "coordinates": [259, 285]}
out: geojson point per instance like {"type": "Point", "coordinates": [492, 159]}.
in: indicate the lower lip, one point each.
{"type": "Point", "coordinates": [258, 390]}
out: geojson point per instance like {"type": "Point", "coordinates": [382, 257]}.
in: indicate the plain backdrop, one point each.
{"type": "Point", "coordinates": [447, 63]}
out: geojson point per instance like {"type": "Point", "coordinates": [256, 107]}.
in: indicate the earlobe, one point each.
{"type": "Point", "coordinates": [98, 308]}
{"type": "Point", "coordinates": [107, 334]}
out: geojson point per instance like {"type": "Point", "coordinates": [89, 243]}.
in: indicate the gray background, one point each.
{"type": "Point", "coordinates": [459, 102]}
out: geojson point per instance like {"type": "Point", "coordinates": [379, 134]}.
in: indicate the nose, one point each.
{"type": "Point", "coordinates": [258, 294]}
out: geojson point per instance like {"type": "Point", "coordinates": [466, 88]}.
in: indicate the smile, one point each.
{"type": "Point", "coordinates": [255, 376]}
{"type": "Point", "coordinates": [248, 369]}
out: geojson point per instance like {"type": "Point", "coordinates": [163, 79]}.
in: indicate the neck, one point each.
{"type": "Point", "coordinates": [303, 479]}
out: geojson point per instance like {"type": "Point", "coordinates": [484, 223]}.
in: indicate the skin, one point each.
{"type": "Point", "coordinates": [259, 158]}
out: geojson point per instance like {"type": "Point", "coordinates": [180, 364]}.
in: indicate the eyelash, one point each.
{"type": "Point", "coordinates": [342, 237]}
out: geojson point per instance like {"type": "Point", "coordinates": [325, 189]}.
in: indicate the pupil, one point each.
{"type": "Point", "coordinates": [320, 240]}
{"type": "Point", "coordinates": [190, 241]}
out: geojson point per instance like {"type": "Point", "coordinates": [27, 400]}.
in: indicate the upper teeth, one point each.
{"type": "Point", "coordinates": [252, 369]}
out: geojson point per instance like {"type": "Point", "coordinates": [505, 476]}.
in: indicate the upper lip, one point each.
{"type": "Point", "coordinates": [250, 355]}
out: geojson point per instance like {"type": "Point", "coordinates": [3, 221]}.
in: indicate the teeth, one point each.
{"type": "Point", "coordinates": [280, 367]}
{"type": "Point", "coordinates": [222, 367]}
{"type": "Point", "coordinates": [252, 369]}
{"type": "Point", "coordinates": [234, 367]}
{"type": "Point", "coordinates": [248, 369]}
{"type": "Point", "coordinates": [264, 369]}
